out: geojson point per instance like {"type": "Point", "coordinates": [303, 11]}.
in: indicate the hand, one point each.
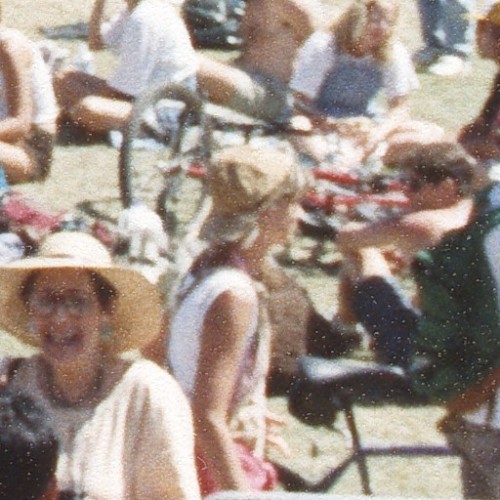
{"type": "Point", "coordinates": [274, 425]}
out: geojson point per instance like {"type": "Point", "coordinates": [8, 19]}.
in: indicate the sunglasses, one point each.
{"type": "Point", "coordinates": [72, 304]}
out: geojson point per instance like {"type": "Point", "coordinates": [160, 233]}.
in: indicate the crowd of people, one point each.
{"type": "Point", "coordinates": [89, 415]}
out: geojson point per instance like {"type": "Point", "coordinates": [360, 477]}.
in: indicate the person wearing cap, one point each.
{"type": "Point", "coordinates": [440, 185]}
{"type": "Point", "coordinates": [219, 341]}
{"type": "Point", "coordinates": [446, 339]}
{"type": "Point", "coordinates": [481, 138]}
{"type": "Point", "coordinates": [123, 424]}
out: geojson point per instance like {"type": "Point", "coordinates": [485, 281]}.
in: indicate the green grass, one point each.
{"type": "Point", "coordinates": [90, 173]}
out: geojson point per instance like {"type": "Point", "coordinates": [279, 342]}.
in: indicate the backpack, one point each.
{"type": "Point", "coordinates": [457, 342]}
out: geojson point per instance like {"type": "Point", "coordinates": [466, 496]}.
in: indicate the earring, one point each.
{"type": "Point", "coordinates": [250, 238]}
{"type": "Point", "coordinates": [32, 330]}
{"type": "Point", "coordinates": [106, 332]}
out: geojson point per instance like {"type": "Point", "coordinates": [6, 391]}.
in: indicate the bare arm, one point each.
{"type": "Point", "coordinates": [16, 61]}
{"type": "Point", "coordinates": [222, 347]}
{"type": "Point", "coordinates": [409, 233]}
{"type": "Point", "coordinates": [96, 17]}
{"type": "Point", "coordinates": [479, 140]}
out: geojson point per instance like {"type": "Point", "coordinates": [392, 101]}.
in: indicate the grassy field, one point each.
{"type": "Point", "coordinates": [90, 173]}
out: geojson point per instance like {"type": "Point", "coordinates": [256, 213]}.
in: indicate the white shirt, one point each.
{"type": "Point", "coordinates": [188, 322]}
{"type": "Point", "coordinates": [136, 443]}
{"type": "Point", "coordinates": [153, 46]}
{"type": "Point", "coordinates": [44, 100]}
{"type": "Point", "coordinates": [319, 53]}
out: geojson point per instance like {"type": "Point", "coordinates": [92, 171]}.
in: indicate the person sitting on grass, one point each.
{"type": "Point", "coordinates": [257, 83]}
{"type": "Point", "coordinates": [353, 81]}
{"type": "Point", "coordinates": [153, 47]}
{"type": "Point", "coordinates": [481, 138]}
{"type": "Point", "coordinates": [28, 449]}
{"type": "Point", "coordinates": [28, 109]}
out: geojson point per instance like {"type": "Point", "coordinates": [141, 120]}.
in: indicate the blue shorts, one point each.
{"type": "Point", "coordinates": [388, 317]}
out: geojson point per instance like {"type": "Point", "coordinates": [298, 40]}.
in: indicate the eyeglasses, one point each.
{"type": "Point", "coordinates": [72, 304]}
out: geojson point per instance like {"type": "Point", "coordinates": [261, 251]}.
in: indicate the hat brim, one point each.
{"type": "Point", "coordinates": [137, 311]}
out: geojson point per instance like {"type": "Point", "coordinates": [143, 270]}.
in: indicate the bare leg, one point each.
{"type": "Point", "coordinates": [100, 114]}
{"type": "Point", "coordinates": [18, 165]}
{"type": "Point", "coordinates": [90, 102]}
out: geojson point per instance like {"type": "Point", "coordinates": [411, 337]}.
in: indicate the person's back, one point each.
{"type": "Point", "coordinates": [272, 32]}
{"type": "Point", "coordinates": [28, 450]}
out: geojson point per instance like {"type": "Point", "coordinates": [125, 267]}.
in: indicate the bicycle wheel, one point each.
{"type": "Point", "coordinates": [165, 135]}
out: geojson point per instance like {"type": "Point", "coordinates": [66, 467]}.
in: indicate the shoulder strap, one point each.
{"type": "Point", "coordinates": [8, 369]}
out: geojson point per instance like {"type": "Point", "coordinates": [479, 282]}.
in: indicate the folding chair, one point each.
{"type": "Point", "coordinates": [336, 384]}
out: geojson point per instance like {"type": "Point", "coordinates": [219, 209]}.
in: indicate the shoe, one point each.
{"type": "Point", "coordinates": [426, 56]}
{"type": "Point", "coordinates": [448, 65]}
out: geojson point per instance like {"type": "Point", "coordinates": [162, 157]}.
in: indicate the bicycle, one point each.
{"type": "Point", "coordinates": [171, 179]}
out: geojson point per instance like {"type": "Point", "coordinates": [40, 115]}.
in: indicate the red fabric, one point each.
{"type": "Point", "coordinates": [261, 475]}
{"type": "Point", "coordinates": [22, 211]}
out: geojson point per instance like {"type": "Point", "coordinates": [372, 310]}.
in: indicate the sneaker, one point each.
{"type": "Point", "coordinates": [448, 65]}
{"type": "Point", "coordinates": [426, 56]}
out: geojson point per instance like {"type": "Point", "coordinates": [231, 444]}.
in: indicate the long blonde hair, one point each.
{"type": "Point", "coordinates": [349, 29]}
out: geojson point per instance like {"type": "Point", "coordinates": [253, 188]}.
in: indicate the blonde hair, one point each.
{"type": "Point", "coordinates": [349, 29]}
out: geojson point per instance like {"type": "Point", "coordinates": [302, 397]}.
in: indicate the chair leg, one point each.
{"type": "Point", "coordinates": [358, 452]}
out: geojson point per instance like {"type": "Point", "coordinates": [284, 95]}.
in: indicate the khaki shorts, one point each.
{"type": "Point", "coordinates": [263, 97]}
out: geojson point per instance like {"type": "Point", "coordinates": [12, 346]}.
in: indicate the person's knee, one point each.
{"type": "Point", "coordinates": [71, 86]}
{"type": "Point", "coordinates": [100, 114]}
{"type": "Point", "coordinates": [387, 316]}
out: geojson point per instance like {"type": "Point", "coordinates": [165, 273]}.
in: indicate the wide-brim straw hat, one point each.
{"type": "Point", "coordinates": [243, 180]}
{"type": "Point", "coordinates": [136, 316]}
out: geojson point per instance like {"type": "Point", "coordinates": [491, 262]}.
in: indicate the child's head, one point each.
{"type": "Point", "coordinates": [28, 449]}
{"type": "Point", "coordinates": [367, 27]}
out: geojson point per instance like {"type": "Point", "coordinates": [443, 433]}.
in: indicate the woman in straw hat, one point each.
{"type": "Point", "coordinates": [218, 346]}
{"type": "Point", "coordinates": [124, 426]}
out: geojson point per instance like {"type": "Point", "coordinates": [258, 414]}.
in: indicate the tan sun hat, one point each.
{"type": "Point", "coordinates": [244, 179]}
{"type": "Point", "coordinates": [137, 310]}
{"type": "Point", "coordinates": [492, 15]}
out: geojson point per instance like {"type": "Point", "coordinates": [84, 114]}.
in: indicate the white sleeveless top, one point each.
{"type": "Point", "coordinates": [44, 100]}
{"type": "Point", "coordinates": [187, 324]}
{"type": "Point", "coordinates": [248, 415]}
